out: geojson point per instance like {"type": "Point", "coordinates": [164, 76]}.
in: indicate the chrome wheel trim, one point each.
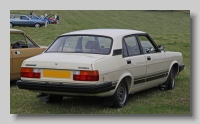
{"type": "Point", "coordinates": [172, 79]}
{"type": "Point", "coordinates": [37, 25]}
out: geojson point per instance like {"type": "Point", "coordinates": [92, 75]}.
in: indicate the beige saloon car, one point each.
{"type": "Point", "coordinates": [21, 48]}
{"type": "Point", "coordinates": [110, 63]}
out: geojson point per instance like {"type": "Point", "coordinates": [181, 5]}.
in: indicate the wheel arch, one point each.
{"type": "Point", "coordinates": [128, 78]}
{"type": "Point", "coordinates": [175, 65]}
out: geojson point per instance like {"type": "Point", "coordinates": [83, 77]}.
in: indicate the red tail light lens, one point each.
{"type": "Point", "coordinates": [86, 75]}
{"type": "Point", "coordinates": [30, 73]}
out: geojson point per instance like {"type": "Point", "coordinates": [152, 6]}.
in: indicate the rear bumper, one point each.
{"type": "Point", "coordinates": [99, 88]}
{"type": "Point", "coordinates": [181, 67]}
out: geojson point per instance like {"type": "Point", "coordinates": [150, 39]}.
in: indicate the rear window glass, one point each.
{"type": "Point", "coordinates": [82, 44]}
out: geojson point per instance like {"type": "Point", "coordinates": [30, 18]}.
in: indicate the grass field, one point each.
{"type": "Point", "coordinates": [169, 28]}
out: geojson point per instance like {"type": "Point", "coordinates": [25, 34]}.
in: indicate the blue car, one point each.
{"type": "Point", "coordinates": [24, 20]}
{"type": "Point", "coordinates": [45, 19]}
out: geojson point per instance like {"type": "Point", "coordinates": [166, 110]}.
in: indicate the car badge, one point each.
{"type": "Point", "coordinates": [30, 64]}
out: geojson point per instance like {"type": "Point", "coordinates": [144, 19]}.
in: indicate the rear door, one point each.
{"type": "Point", "coordinates": [156, 66]}
{"type": "Point", "coordinates": [136, 61]}
{"type": "Point", "coordinates": [21, 48]}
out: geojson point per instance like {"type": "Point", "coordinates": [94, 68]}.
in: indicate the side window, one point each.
{"type": "Point", "coordinates": [16, 17]}
{"type": "Point", "coordinates": [24, 18]}
{"type": "Point", "coordinates": [17, 40]}
{"type": "Point", "coordinates": [146, 44]}
{"type": "Point", "coordinates": [29, 43]}
{"type": "Point", "coordinates": [132, 46]}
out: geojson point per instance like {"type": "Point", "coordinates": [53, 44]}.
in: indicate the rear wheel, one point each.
{"type": "Point", "coordinates": [37, 25]}
{"type": "Point", "coordinates": [170, 82]}
{"type": "Point", "coordinates": [121, 95]}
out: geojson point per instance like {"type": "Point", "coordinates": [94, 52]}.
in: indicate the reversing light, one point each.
{"type": "Point", "coordinates": [30, 72]}
{"type": "Point", "coordinates": [83, 75]}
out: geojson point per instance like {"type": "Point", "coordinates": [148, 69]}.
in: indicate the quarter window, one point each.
{"type": "Point", "coordinates": [29, 43]}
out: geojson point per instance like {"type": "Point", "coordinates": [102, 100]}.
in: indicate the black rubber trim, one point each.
{"type": "Point", "coordinates": [139, 81]}
{"type": "Point", "coordinates": [117, 52]}
{"type": "Point", "coordinates": [155, 77]}
{"type": "Point", "coordinates": [99, 88]}
{"type": "Point", "coordinates": [150, 77]}
{"type": "Point", "coordinates": [181, 67]}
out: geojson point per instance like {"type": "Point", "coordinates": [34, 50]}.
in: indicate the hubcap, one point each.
{"type": "Point", "coordinates": [121, 94]}
{"type": "Point", "coordinates": [172, 78]}
{"type": "Point", "coordinates": [37, 25]}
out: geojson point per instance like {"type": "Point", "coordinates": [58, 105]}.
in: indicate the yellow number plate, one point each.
{"type": "Point", "coordinates": [56, 73]}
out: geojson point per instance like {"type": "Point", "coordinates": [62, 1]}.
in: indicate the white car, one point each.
{"type": "Point", "coordinates": [110, 63]}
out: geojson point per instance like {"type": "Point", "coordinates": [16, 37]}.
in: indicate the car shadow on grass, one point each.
{"type": "Point", "coordinates": [81, 101]}
{"type": "Point", "coordinates": [98, 102]}
{"type": "Point", "coordinates": [13, 83]}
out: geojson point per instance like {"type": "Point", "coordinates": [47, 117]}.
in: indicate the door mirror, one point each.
{"type": "Point", "coordinates": [161, 47]}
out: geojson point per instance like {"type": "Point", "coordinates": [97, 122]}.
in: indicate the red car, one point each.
{"type": "Point", "coordinates": [51, 20]}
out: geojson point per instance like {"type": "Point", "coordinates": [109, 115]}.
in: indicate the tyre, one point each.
{"type": "Point", "coordinates": [37, 25]}
{"type": "Point", "coordinates": [170, 82]}
{"type": "Point", "coordinates": [54, 98]}
{"type": "Point", "coordinates": [120, 95]}
{"type": "Point", "coordinates": [11, 25]}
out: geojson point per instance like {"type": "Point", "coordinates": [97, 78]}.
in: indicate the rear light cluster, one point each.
{"type": "Point", "coordinates": [83, 75]}
{"type": "Point", "coordinates": [30, 72]}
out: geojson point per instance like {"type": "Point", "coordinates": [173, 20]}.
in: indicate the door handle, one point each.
{"type": "Point", "coordinates": [128, 61]}
{"type": "Point", "coordinates": [17, 52]}
{"type": "Point", "coordinates": [148, 58]}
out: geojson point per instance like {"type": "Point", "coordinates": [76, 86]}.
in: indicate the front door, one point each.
{"type": "Point", "coordinates": [156, 66]}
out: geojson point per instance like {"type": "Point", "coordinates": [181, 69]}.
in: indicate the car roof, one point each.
{"type": "Point", "coordinates": [15, 30]}
{"type": "Point", "coordinates": [19, 14]}
{"type": "Point", "coordinates": [106, 32]}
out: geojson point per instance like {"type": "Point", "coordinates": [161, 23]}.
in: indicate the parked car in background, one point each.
{"type": "Point", "coordinates": [38, 18]}
{"type": "Point", "coordinates": [45, 19]}
{"type": "Point", "coordinates": [21, 48]}
{"type": "Point", "coordinates": [110, 63]}
{"type": "Point", "coordinates": [11, 15]}
{"type": "Point", "coordinates": [51, 20]}
{"type": "Point", "coordinates": [24, 20]}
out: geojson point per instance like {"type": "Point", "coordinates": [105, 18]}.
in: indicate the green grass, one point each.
{"type": "Point", "coordinates": [171, 29]}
